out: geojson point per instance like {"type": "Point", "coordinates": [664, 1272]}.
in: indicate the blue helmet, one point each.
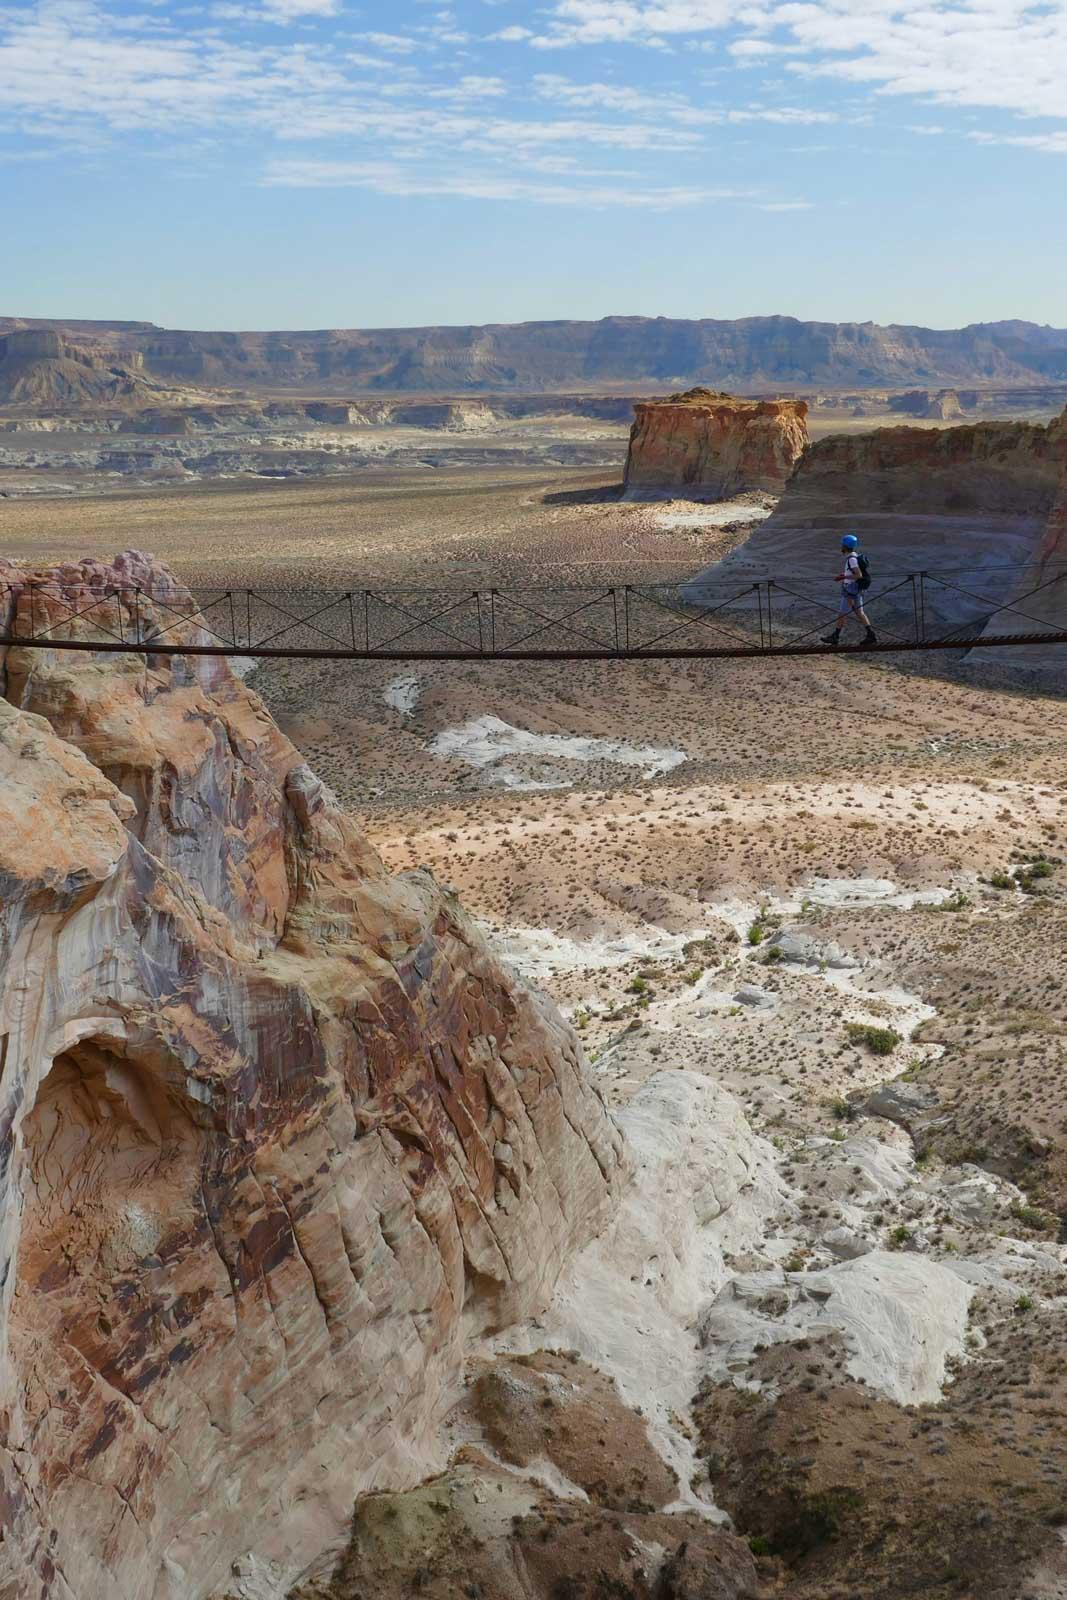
{"type": "Point", "coordinates": [849, 541]}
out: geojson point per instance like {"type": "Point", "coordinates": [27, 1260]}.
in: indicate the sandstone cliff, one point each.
{"type": "Point", "coordinates": [999, 467]}
{"type": "Point", "coordinates": [278, 1135]}
{"type": "Point", "coordinates": [714, 444]}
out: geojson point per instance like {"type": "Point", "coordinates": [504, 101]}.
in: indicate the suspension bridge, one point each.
{"type": "Point", "coordinates": [706, 618]}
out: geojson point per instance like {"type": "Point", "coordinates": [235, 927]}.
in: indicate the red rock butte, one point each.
{"type": "Point", "coordinates": [714, 444]}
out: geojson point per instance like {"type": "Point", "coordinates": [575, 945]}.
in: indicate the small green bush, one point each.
{"type": "Point", "coordinates": [755, 933]}
{"type": "Point", "coordinates": [1002, 880]}
{"type": "Point", "coordinates": [880, 1041]}
{"type": "Point", "coordinates": [1032, 1217]}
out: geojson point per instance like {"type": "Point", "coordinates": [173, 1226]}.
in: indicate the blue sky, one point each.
{"type": "Point", "coordinates": [314, 163]}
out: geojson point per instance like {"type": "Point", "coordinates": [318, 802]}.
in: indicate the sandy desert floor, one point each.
{"type": "Point", "coordinates": [415, 527]}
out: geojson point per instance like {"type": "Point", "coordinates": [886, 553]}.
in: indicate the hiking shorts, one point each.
{"type": "Point", "coordinates": [851, 599]}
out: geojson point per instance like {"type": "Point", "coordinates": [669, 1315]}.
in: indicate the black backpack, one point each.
{"type": "Point", "coordinates": [865, 571]}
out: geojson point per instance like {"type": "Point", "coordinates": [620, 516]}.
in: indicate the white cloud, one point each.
{"type": "Point", "coordinates": [1004, 54]}
{"type": "Point", "coordinates": [469, 87]}
{"type": "Point", "coordinates": [668, 107]}
{"type": "Point", "coordinates": [398, 43]}
{"type": "Point", "coordinates": [1054, 144]}
{"type": "Point", "coordinates": [626, 21]}
{"type": "Point", "coordinates": [759, 50]}
{"type": "Point", "coordinates": [291, 10]}
{"type": "Point", "coordinates": [394, 180]}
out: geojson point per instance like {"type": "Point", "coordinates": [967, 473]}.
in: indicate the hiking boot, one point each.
{"type": "Point", "coordinates": [870, 637]}
{"type": "Point", "coordinates": [832, 638]}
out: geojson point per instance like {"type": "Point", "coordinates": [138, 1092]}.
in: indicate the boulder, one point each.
{"type": "Point", "coordinates": [898, 1102]}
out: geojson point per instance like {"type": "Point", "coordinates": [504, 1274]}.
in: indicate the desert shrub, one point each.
{"type": "Point", "coordinates": [815, 1519]}
{"type": "Point", "coordinates": [880, 1041]}
{"type": "Point", "coordinates": [1032, 1217]}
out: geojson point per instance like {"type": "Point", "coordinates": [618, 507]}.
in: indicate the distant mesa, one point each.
{"type": "Point", "coordinates": [713, 445]}
{"type": "Point", "coordinates": [650, 353]}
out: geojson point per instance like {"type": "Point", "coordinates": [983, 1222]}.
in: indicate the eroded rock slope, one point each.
{"type": "Point", "coordinates": [278, 1136]}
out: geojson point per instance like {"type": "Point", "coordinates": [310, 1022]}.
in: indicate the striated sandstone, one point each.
{"type": "Point", "coordinates": [278, 1135]}
{"type": "Point", "coordinates": [1001, 467]}
{"type": "Point", "coordinates": [714, 444]}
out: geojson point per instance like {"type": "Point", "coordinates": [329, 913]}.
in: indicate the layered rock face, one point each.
{"type": "Point", "coordinates": [714, 444]}
{"type": "Point", "coordinates": [999, 467]}
{"type": "Point", "coordinates": [278, 1135]}
{"type": "Point", "coordinates": [38, 368]}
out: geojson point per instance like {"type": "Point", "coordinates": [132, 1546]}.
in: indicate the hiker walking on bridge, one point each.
{"type": "Point", "coordinates": [855, 577]}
